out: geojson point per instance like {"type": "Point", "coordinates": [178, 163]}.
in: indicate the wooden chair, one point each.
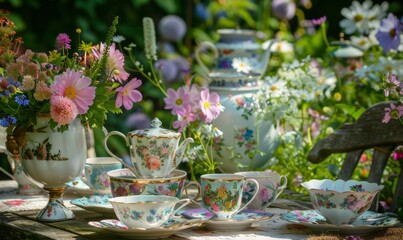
{"type": "Point", "coordinates": [368, 132]}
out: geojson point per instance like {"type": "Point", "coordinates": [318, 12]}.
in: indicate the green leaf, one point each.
{"type": "Point", "coordinates": [358, 113]}
{"type": "Point", "coordinates": [139, 3]}
{"type": "Point", "coordinates": [170, 6]}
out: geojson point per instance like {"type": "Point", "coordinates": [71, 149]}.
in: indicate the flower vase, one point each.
{"type": "Point", "coordinates": [242, 133]}
{"type": "Point", "coordinates": [54, 158]}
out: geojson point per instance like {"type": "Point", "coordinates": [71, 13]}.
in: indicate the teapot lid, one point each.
{"type": "Point", "coordinates": [155, 131]}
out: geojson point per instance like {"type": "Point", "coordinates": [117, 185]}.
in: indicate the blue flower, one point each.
{"type": "Point", "coordinates": [172, 28]}
{"type": "Point", "coordinates": [388, 34]}
{"type": "Point", "coordinates": [248, 134]}
{"type": "Point", "coordinates": [22, 100]}
{"type": "Point", "coordinates": [202, 12]}
{"type": "Point", "coordinates": [8, 121]}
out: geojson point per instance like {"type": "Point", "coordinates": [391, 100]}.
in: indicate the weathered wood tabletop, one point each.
{"type": "Point", "coordinates": [18, 212]}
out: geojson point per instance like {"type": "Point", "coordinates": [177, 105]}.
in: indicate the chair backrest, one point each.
{"type": "Point", "coordinates": [368, 132]}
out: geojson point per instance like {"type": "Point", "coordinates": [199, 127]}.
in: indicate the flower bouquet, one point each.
{"type": "Point", "coordinates": [48, 98]}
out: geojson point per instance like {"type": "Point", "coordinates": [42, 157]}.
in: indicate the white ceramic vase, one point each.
{"type": "Point", "coordinates": [53, 159]}
{"type": "Point", "coordinates": [242, 133]}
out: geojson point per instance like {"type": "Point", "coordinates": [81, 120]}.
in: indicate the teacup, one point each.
{"type": "Point", "coordinates": [222, 194]}
{"type": "Point", "coordinates": [96, 172]}
{"type": "Point", "coordinates": [271, 185]}
{"type": "Point", "coordinates": [145, 211]}
{"type": "Point", "coordinates": [125, 183]}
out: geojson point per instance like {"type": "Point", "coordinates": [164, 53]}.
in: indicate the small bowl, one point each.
{"type": "Point", "coordinates": [341, 202]}
{"type": "Point", "coordinates": [125, 183]}
{"type": "Point", "coordinates": [145, 211]}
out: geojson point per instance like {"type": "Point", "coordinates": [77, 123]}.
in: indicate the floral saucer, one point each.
{"type": "Point", "coordinates": [368, 222]}
{"type": "Point", "coordinates": [96, 203]}
{"type": "Point", "coordinates": [240, 221]}
{"type": "Point", "coordinates": [173, 226]}
{"type": "Point", "coordinates": [82, 189]}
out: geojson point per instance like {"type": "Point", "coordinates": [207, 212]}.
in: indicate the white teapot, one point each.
{"type": "Point", "coordinates": [154, 152]}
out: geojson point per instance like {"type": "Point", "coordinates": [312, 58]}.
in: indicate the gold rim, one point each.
{"type": "Point", "coordinates": [169, 200]}
{"type": "Point", "coordinates": [224, 178]}
{"type": "Point", "coordinates": [145, 181]}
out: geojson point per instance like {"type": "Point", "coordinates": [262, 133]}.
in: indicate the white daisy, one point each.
{"type": "Point", "coordinates": [363, 42]}
{"type": "Point", "coordinates": [241, 65]}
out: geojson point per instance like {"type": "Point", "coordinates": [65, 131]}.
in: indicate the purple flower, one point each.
{"type": "Point", "coordinates": [283, 9]}
{"type": "Point", "coordinates": [388, 34]}
{"type": "Point", "coordinates": [63, 41]}
{"type": "Point", "coordinates": [137, 120]}
{"type": "Point", "coordinates": [168, 68]}
{"type": "Point", "coordinates": [392, 112]}
{"type": "Point", "coordinates": [172, 28]}
{"type": "Point", "coordinates": [319, 21]}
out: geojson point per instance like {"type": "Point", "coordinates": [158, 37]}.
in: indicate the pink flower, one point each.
{"type": "Point", "coordinates": [210, 105]}
{"type": "Point", "coordinates": [73, 85]}
{"type": "Point", "coordinates": [63, 41]}
{"type": "Point", "coordinates": [215, 207]}
{"type": "Point", "coordinates": [116, 62]}
{"type": "Point", "coordinates": [62, 110]}
{"type": "Point", "coordinates": [42, 91]}
{"type": "Point", "coordinates": [128, 94]}
{"type": "Point", "coordinates": [264, 195]}
{"type": "Point", "coordinates": [153, 162]}
{"type": "Point", "coordinates": [185, 117]}
{"type": "Point", "coordinates": [392, 112]}
{"type": "Point", "coordinates": [397, 156]}
{"type": "Point", "coordinates": [176, 100]}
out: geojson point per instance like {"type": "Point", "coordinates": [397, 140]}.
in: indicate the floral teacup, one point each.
{"type": "Point", "coordinates": [145, 211]}
{"type": "Point", "coordinates": [222, 194]}
{"type": "Point", "coordinates": [269, 188]}
{"type": "Point", "coordinates": [96, 172]}
{"type": "Point", "coordinates": [341, 202]}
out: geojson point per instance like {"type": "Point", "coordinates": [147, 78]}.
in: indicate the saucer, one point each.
{"type": "Point", "coordinates": [241, 221]}
{"type": "Point", "coordinates": [167, 229]}
{"type": "Point", "coordinates": [368, 222]}
{"type": "Point", "coordinates": [82, 189]}
{"type": "Point", "coordinates": [96, 203]}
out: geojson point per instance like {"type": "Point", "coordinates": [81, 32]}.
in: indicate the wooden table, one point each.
{"type": "Point", "coordinates": [18, 212]}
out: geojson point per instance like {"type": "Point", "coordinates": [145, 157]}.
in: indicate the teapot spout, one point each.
{"type": "Point", "coordinates": [181, 150]}
{"type": "Point", "coordinates": [266, 56]}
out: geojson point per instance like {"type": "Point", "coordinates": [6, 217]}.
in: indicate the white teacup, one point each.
{"type": "Point", "coordinates": [271, 185]}
{"type": "Point", "coordinates": [145, 211]}
{"type": "Point", "coordinates": [96, 172]}
{"type": "Point", "coordinates": [222, 194]}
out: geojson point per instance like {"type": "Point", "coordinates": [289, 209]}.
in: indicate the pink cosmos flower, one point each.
{"type": "Point", "coordinates": [73, 85]}
{"type": "Point", "coordinates": [116, 62]}
{"type": "Point", "coordinates": [210, 105]}
{"type": "Point", "coordinates": [128, 94]}
{"type": "Point", "coordinates": [185, 117]}
{"type": "Point", "coordinates": [62, 110]}
{"type": "Point", "coordinates": [176, 100]}
{"type": "Point", "coordinates": [392, 112]}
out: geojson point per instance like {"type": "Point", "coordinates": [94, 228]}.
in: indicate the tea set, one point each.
{"type": "Point", "coordinates": [145, 200]}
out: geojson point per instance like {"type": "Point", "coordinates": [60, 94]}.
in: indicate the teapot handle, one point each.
{"type": "Point", "coordinates": [113, 155]}
{"type": "Point", "coordinates": [200, 48]}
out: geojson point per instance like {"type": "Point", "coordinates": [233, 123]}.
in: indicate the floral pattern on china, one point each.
{"type": "Point", "coordinates": [154, 151]}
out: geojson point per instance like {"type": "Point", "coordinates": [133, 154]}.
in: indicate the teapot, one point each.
{"type": "Point", "coordinates": [235, 44]}
{"type": "Point", "coordinates": [154, 152]}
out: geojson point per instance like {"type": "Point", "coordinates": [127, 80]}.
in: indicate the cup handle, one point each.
{"type": "Point", "coordinates": [203, 45]}
{"type": "Point", "coordinates": [133, 169]}
{"type": "Point", "coordinates": [87, 172]}
{"type": "Point", "coordinates": [282, 186]}
{"type": "Point", "coordinates": [253, 197]}
{"type": "Point", "coordinates": [193, 200]}
{"type": "Point", "coordinates": [185, 201]}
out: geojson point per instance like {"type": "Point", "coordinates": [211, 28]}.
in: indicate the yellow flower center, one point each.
{"type": "Point", "coordinates": [206, 105]}
{"type": "Point", "coordinates": [273, 88]}
{"type": "Point", "coordinates": [70, 92]}
{"type": "Point", "coordinates": [358, 17]}
{"type": "Point", "coordinates": [125, 92]}
{"type": "Point", "coordinates": [179, 101]}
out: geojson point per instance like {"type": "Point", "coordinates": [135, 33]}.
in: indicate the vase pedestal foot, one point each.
{"type": "Point", "coordinates": [55, 210]}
